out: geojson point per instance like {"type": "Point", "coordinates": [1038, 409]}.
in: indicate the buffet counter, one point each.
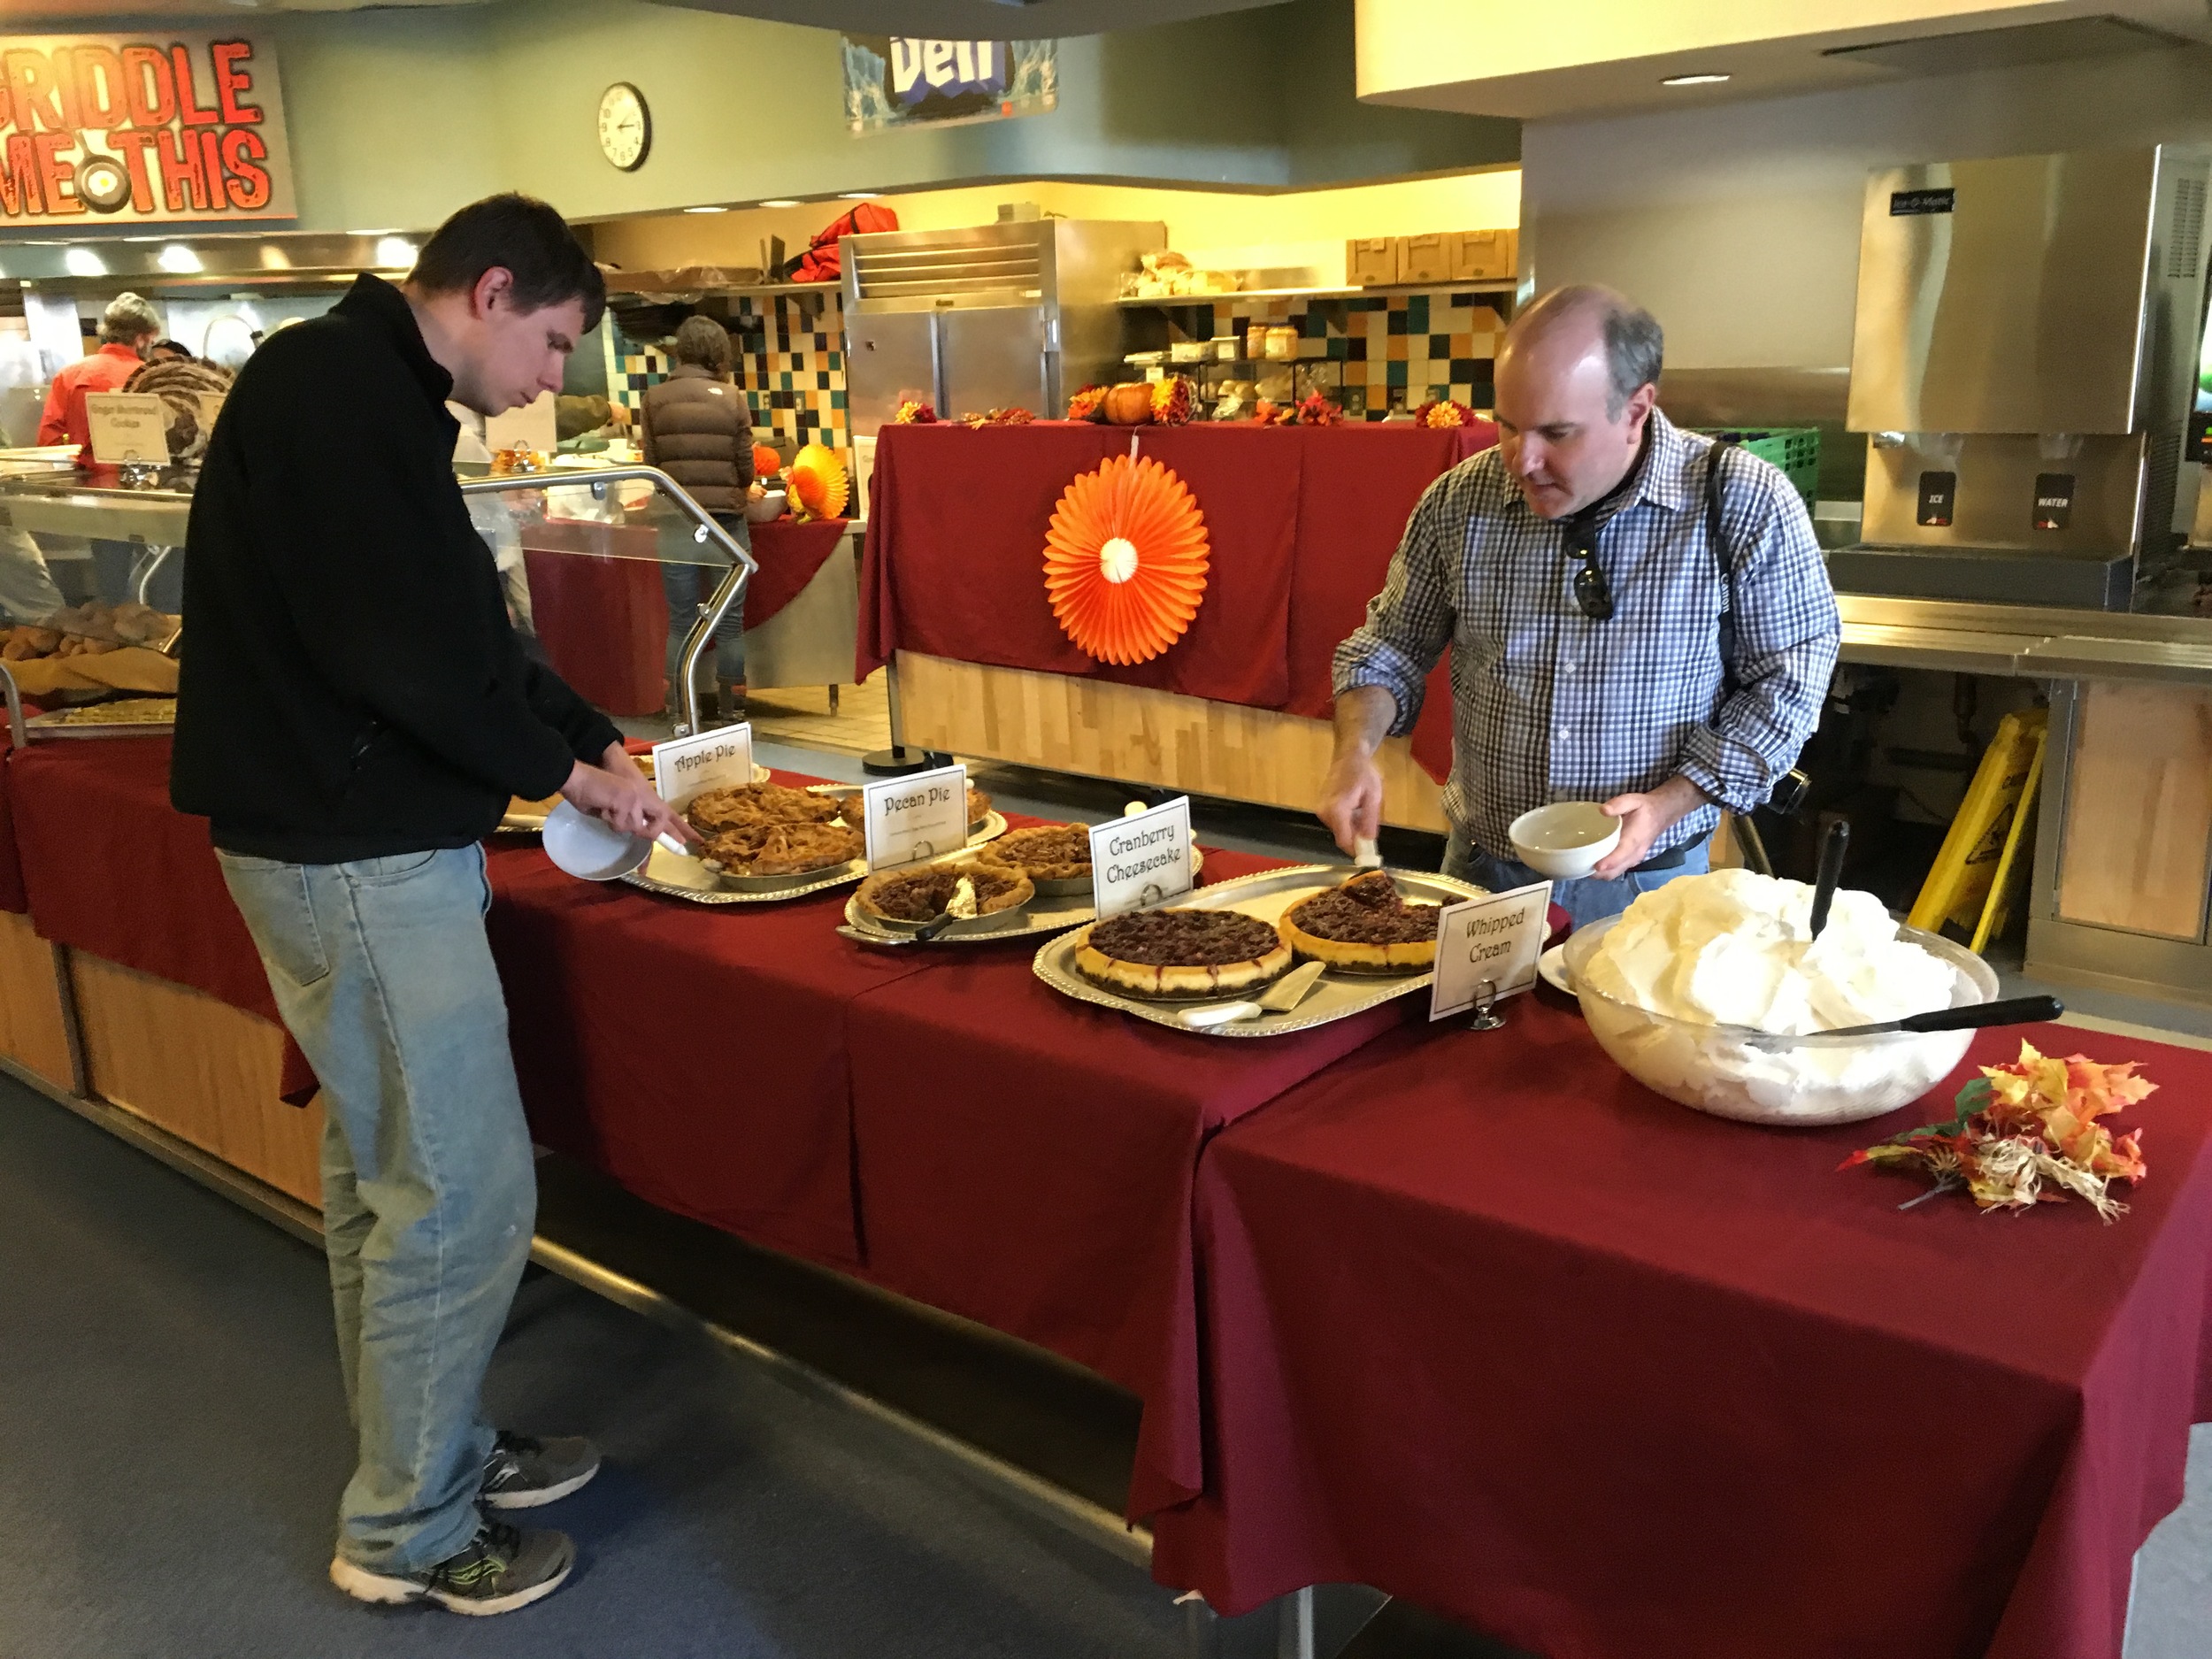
{"type": "Point", "coordinates": [2121, 895]}
{"type": "Point", "coordinates": [1472, 1317]}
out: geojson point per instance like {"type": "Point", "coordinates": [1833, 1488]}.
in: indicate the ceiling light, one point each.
{"type": "Point", "coordinates": [1704, 78]}
{"type": "Point", "coordinates": [82, 262]}
{"type": "Point", "coordinates": [395, 253]}
{"type": "Point", "coordinates": [177, 257]}
{"type": "Point", "coordinates": [780, 201]}
{"type": "Point", "coordinates": [858, 195]}
{"type": "Point", "coordinates": [706, 210]}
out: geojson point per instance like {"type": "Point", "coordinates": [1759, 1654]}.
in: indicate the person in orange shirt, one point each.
{"type": "Point", "coordinates": [127, 328]}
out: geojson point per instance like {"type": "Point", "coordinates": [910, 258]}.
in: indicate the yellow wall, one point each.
{"type": "Point", "coordinates": [1301, 233]}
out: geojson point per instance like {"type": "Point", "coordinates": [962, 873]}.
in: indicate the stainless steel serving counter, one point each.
{"type": "Point", "coordinates": [2025, 641]}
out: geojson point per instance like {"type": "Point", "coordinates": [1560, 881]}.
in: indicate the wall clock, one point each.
{"type": "Point", "coordinates": [625, 126]}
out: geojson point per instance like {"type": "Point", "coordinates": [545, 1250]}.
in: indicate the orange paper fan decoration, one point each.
{"type": "Point", "coordinates": [1125, 560]}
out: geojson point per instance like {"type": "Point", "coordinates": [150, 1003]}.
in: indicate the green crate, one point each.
{"type": "Point", "coordinates": [1795, 450]}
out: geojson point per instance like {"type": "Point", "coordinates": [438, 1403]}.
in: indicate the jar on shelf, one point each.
{"type": "Point", "coordinates": [1255, 341]}
{"type": "Point", "coordinates": [1282, 343]}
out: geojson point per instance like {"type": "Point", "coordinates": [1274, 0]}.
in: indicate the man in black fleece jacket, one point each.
{"type": "Point", "coordinates": [354, 713]}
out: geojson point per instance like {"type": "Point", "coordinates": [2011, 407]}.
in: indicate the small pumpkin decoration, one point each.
{"type": "Point", "coordinates": [1130, 404]}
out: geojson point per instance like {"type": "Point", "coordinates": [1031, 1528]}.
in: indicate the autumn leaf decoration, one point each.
{"type": "Point", "coordinates": [1125, 560]}
{"type": "Point", "coordinates": [2028, 1132]}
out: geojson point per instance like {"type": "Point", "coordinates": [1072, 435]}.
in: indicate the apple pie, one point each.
{"type": "Point", "coordinates": [780, 849]}
{"type": "Point", "coordinates": [755, 804]}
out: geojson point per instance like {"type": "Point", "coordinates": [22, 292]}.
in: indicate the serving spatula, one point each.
{"type": "Point", "coordinates": [1279, 998]}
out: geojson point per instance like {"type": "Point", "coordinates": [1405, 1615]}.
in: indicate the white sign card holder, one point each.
{"type": "Point", "coordinates": [1486, 950]}
{"type": "Point", "coordinates": [923, 815]}
{"type": "Point", "coordinates": [127, 427]}
{"type": "Point", "coordinates": [686, 766]}
{"type": "Point", "coordinates": [1141, 860]}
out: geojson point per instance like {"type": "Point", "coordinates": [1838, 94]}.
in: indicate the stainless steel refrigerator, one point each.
{"type": "Point", "coordinates": [1019, 313]}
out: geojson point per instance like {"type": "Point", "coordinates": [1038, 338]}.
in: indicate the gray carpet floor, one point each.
{"type": "Point", "coordinates": [172, 1442]}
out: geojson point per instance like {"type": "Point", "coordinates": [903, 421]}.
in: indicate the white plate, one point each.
{"type": "Point", "coordinates": [1553, 966]}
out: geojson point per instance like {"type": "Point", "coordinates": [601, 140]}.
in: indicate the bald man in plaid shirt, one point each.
{"type": "Point", "coordinates": [1636, 616]}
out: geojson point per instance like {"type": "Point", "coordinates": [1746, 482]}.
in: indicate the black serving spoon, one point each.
{"type": "Point", "coordinates": [2013, 1010]}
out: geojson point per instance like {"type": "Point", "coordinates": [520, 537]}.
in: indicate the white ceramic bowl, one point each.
{"type": "Point", "coordinates": [1840, 1082]}
{"type": "Point", "coordinates": [591, 848]}
{"type": "Point", "coordinates": [1564, 840]}
{"type": "Point", "coordinates": [765, 508]}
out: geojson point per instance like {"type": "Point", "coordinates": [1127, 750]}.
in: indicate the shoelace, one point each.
{"type": "Point", "coordinates": [492, 1550]}
{"type": "Point", "coordinates": [507, 1453]}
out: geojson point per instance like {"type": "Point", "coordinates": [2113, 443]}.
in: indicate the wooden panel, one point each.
{"type": "Point", "coordinates": [205, 1071]}
{"type": "Point", "coordinates": [2137, 851]}
{"type": "Point", "coordinates": [1069, 724]}
{"type": "Point", "coordinates": [34, 1030]}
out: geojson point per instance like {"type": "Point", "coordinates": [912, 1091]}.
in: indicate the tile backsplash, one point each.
{"type": "Point", "coordinates": [1385, 350]}
{"type": "Point", "coordinates": [788, 355]}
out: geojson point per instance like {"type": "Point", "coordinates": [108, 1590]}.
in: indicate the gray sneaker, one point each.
{"type": "Point", "coordinates": [521, 1473]}
{"type": "Point", "coordinates": [501, 1568]}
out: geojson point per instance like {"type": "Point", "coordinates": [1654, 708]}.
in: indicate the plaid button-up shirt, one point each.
{"type": "Point", "coordinates": [1549, 705]}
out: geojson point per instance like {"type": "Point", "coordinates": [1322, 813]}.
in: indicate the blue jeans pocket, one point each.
{"type": "Point", "coordinates": [273, 897]}
{"type": "Point", "coordinates": [377, 873]}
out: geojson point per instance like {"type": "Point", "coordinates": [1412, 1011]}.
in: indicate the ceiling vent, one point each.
{"type": "Point", "coordinates": [2063, 40]}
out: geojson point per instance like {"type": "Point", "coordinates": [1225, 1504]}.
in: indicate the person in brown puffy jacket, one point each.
{"type": "Point", "coordinates": [698, 429]}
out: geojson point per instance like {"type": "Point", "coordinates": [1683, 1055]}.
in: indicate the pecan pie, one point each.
{"type": "Point", "coordinates": [918, 894]}
{"type": "Point", "coordinates": [780, 849]}
{"type": "Point", "coordinates": [1051, 852]}
{"type": "Point", "coordinates": [1364, 923]}
{"type": "Point", "coordinates": [1174, 953]}
{"type": "Point", "coordinates": [754, 804]}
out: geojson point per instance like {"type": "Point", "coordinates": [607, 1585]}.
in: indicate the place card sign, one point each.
{"type": "Point", "coordinates": [1487, 948]}
{"type": "Point", "coordinates": [1141, 860]}
{"type": "Point", "coordinates": [127, 426]}
{"type": "Point", "coordinates": [923, 815]}
{"type": "Point", "coordinates": [688, 766]}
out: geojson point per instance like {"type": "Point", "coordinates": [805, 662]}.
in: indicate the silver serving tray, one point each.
{"type": "Point", "coordinates": [1335, 995]}
{"type": "Point", "coordinates": [1047, 913]}
{"type": "Point", "coordinates": [680, 876]}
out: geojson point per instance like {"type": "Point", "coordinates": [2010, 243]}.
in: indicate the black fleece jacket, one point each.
{"type": "Point", "coordinates": [351, 688]}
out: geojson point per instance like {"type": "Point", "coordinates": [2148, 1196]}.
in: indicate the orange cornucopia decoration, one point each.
{"type": "Point", "coordinates": [1125, 560]}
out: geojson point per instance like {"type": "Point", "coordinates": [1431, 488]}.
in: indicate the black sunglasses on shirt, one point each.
{"type": "Point", "coordinates": [1593, 593]}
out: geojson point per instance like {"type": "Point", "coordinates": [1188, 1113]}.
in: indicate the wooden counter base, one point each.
{"type": "Point", "coordinates": [1138, 735]}
{"type": "Point", "coordinates": [205, 1071]}
{"type": "Point", "coordinates": [33, 1026]}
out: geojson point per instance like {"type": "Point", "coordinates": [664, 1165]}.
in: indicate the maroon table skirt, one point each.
{"type": "Point", "coordinates": [1301, 522]}
{"type": "Point", "coordinates": [1492, 1327]}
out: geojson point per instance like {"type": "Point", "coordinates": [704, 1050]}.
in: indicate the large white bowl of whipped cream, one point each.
{"type": "Point", "coordinates": [1671, 986]}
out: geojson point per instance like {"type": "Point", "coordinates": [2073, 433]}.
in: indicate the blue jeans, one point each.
{"type": "Point", "coordinates": [686, 585]}
{"type": "Point", "coordinates": [383, 972]}
{"type": "Point", "coordinates": [1585, 900]}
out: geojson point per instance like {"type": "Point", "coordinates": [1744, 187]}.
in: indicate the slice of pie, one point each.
{"type": "Point", "coordinates": [1051, 852]}
{"type": "Point", "coordinates": [1364, 923]}
{"type": "Point", "coordinates": [1177, 953]}
{"type": "Point", "coordinates": [918, 894]}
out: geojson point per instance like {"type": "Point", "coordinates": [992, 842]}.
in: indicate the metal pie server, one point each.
{"type": "Point", "coordinates": [1279, 998]}
{"type": "Point", "coordinates": [2016, 1010]}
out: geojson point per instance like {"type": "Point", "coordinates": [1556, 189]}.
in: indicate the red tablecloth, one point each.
{"type": "Point", "coordinates": [12, 896]}
{"type": "Point", "coordinates": [1301, 522]}
{"type": "Point", "coordinates": [1026, 1161]}
{"type": "Point", "coordinates": [1492, 1328]}
{"type": "Point", "coordinates": [109, 867]}
{"type": "Point", "coordinates": [699, 1055]}
{"type": "Point", "coordinates": [789, 554]}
